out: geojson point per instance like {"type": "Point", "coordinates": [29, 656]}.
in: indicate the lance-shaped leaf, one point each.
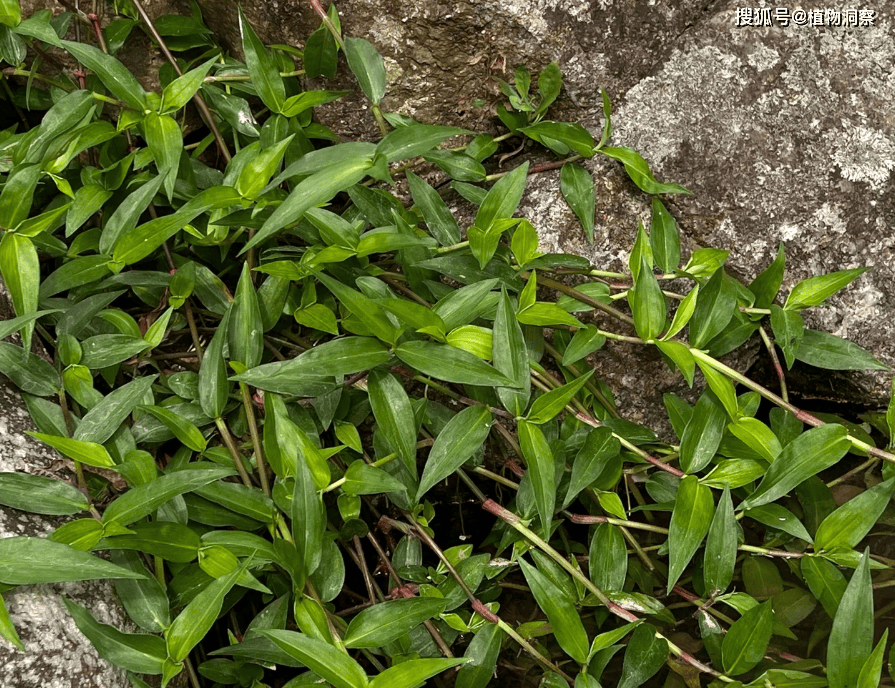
{"type": "Point", "coordinates": [714, 309]}
{"type": "Point", "coordinates": [21, 274]}
{"type": "Point", "coordinates": [848, 525]}
{"type": "Point", "coordinates": [541, 466]}
{"type": "Point", "coordinates": [683, 313]}
{"type": "Point", "coordinates": [745, 643]}
{"type": "Point", "coordinates": [28, 371]}
{"type": "Point", "coordinates": [262, 68]}
{"type": "Point", "coordinates": [101, 422]}
{"type": "Point", "coordinates": [766, 286]}
{"type": "Point", "coordinates": [114, 75]}
{"type": "Point", "coordinates": [367, 66]}
{"type": "Point", "coordinates": [127, 214]}
{"type": "Point", "coordinates": [873, 667]}
{"type": "Point", "coordinates": [608, 560]}
{"type": "Point", "coordinates": [199, 616]}
{"type": "Point", "coordinates": [807, 455]}
{"type": "Point", "coordinates": [139, 652]}
{"type": "Point", "coordinates": [690, 521]}
{"type": "Point", "coordinates": [664, 238]}
{"type": "Point", "coordinates": [703, 433]}
{"type": "Point", "coordinates": [511, 357]}
{"type": "Point", "coordinates": [7, 629]}
{"type": "Point", "coordinates": [214, 388]}
{"type": "Point", "coordinates": [438, 217]}
{"type": "Point", "coordinates": [362, 478]}
{"type": "Point", "coordinates": [382, 623]}
{"type": "Point", "coordinates": [394, 416]}
{"type": "Point", "coordinates": [721, 546]}
{"type": "Point", "coordinates": [647, 303]}
{"type": "Point", "coordinates": [414, 140]}
{"type": "Point", "coordinates": [546, 406]}
{"type": "Point", "coordinates": [561, 613]}
{"type": "Point", "coordinates": [246, 328]}
{"type": "Point", "coordinates": [825, 350]}
{"type": "Point", "coordinates": [91, 453]}
{"type": "Point", "coordinates": [144, 599]}
{"type": "Point", "coordinates": [561, 137]}
{"type": "Point", "coordinates": [482, 652]}
{"type": "Point", "coordinates": [258, 171]}
{"type": "Point", "coordinates": [639, 172]}
{"type": "Point", "coordinates": [815, 290]}
{"type": "Point", "coordinates": [165, 141]}
{"type": "Point", "coordinates": [331, 664]}
{"type": "Point", "coordinates": [450, 364]}
{"type": "Point", "coordinates": [458, 440]}
{"type": "Point", "coordinates": [179, 92]}
{"type": "Point", "coordinates": [502, 199]}
{"type": "Point", "coordinates": [644, 656]}
{"type": "Point", "coordinates": [413, 672]}
{"type": "Point", "coordinates": [757, 436]}
{"type": "Point", "coordinates": [142, 500]}
{"type": "Point", "coordinates": [362, 307]}
{"type": "Point", "coordinates": [597, 457]}
{"type": "Point", "coordinates": [183, 429]}
{"type": "Point", "coordinates": [39, 495]}
{"type": "Point", "coordinates": [34, 560]}
{"type": "Point", "coordinates": [851, 638]}
{"type": "Point", "coordinates": [141, 241]}
{"type": "Point", "coordinates": [308, 519]}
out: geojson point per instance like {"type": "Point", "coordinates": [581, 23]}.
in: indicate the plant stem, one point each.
{"type": "Point", "coordinates": [256, 437]}
{"type": "Point", "coordinates": [234, 451]}
{"type": "Point", "coordinates": [769, 345]}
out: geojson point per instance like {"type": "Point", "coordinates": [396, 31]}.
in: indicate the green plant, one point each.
{"type": "Point", "coordinates": [254, 389]}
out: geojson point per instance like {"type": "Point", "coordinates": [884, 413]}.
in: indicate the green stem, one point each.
{"type": "Point", "coordinates": [256, 437]}
{"type": "Point", "coordinates": [234, 450]}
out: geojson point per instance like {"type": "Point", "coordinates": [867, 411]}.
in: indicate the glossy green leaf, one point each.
{"type": "Point", "coordinates": [114, 75]}
{"type": "Point", "coordinates": [549, 404]}
{"type": "Point", "coordinates": [683, 313]}
{"type": "Point", "coordinates": [142, 500]}
{"type": "Point", "coordinates": [788, 328]}
{"type": "Point", "coordinates": [413, 140]}
{"type": "Point", "coordinates": [258, 171]}
{"type": "Point", "coordinates": [34, 560]}
{"type": "Point", "coordinates": [503, 198]}
{"type": "Point", "coordinates": [367, 66]}
{"type": "Point", "coordinates": [242, 499]}
{"type": "Point", "coordinates": [165, 141]}
{"type": "Point", "coordinates": [541, 466]}
{"type": "Point", "coordinates": [766, 286]}
{"type": "Point", "coordinates": [596, 458]}
{"type": "Point", "coordinates": [127, 214]}
{"type": "Point", "coordinates": [198, 616]}
{"type": "Point", "coordinates": [144, 599]}
{"type": "Point", "coordinates": [482, 652]}
{"type": "Point", "coordinates": [438, 217]}
{"type": "Point", "coordinates": [183, 429]}
{"type": "Point", "coordinates": [644, 656]}
{"type": "Point", "coordinates": [848, 525]}
{"type": "Point", "coordinates": [10, 12]}
{"type": "Point", "coordinates": [757, 436]}
{"type": "Point", "coordinates": [825, 350]}
{"type": "Point", "coordinates": [703, 433]}
{"type": "Point", "coordinates": [101, 422]}
{"type": "Point", "coordinates": [714, 309]}
{"type": "Point", "coordinates": [648, 305]}
{"type": "Point", "coordinates": [747, 640]}
{"type": "Point", "coordinates": [872, 670]}
{"type": "Point", "coordinates": [639, 172]}
{"type": "Point", "coordinates": [411, 673]}
{"type": "Point", "coordinates": [562, 137]}
{"type": "Point", "coordinates": [28, 372]}
{"type": "Point", "coordinates": [690, 521]}
{"type": "Point", "coordinates": [363, 308]}
{"type": "Point", "coordinates": [20, 270]}
{"type": "Point", "coordinates": [382, 623]}
{"type": "Point", "coordinates": [179, 92]}
{"type": "Point", "coordinates": [851, 638]}
{"type": "Point", "coordinates": [721, 546]}
{"type": "Point", "coordinates": [331, 664]}
{"type": "Point", "coordinates": [608, 558]}
{"type": "Point", "coordinates": [262, 68]}
{"type": "Point", "coordinates": [139, 652]}
{"type": "Point", "coordinates": [394, 416]}
{"type": "Point", "coordinates": [584, 342]}
{"type": "Point", "coordinates": [39, 495]}
{"type": "Point", "coordinates": [214, 387]}
{"type": "Point", "coordinates": [7, 629]}
{"type": "Point", "coordinates": [778, 517]}
{"type": "Point", "coordinates": [664, 238]}
{"type": "Point", "coordinates": [452, 365]}
{"type": "Point", "coordinates": [807, 455]}
{"type": "Point", "coordinates": [246, 336]}
{"type": "Point", "coordinates": [815, 290]}
{"type": "Point", "coordinates": [463, 435]}
{"type": "Point", "coordinates": [17, 195]}
{"type": "Point", "coordinates": [680, 355]}
{"type": "Point", "coordinates": [91, 453]}
{"type": "Point", "coordinates": [141, 241]}
{"type": "Point", "coordinates": [560, 611]}
{"type": "Point", "coordinates": [362, 478]}
{"type": "Point", "coordinates": [308, 519]}
{"type": "Point", "coordinates": [456, 165]}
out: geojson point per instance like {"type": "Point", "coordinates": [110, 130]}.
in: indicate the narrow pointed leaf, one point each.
{"type": "Point", "coordinates": [747, 640]}
{"type": "Point", "coordinates": [367, 66]}
{"type": "Point", "coordinates": [577, 188]}
{"type": "Point", "coordinates": [540, 462]}
{"type": "Point", "coordinates": [331, 664]}
{"type": "Point", "coordinates": [91, 453]}
{"type": "Point", "coordinates": [452, 365]}
{"type": "Point", "coordinates": [721, 546]}
{"type": "Point", "coordinates": [246, 327]}
{"type": "Point", "coordinates": [815, 290]}
{"type": "Point", "coordinates": [511, 357]}
{"type": "Point", "coordinates": [308, 519]}
{"type": "Point", "coordinates": [262, 68]}
{"type": "Point", "coordinates": [851, 638]}
{"type": "Point", "coordinates": [214, 388]}
{"type": "Point", "coordinates": [503, 198]}
{"type": "Point", "coordinates": [101, 422]}
{"type": "Point", "coordinates": [413, 672]}
{"type": "Point", "coordinates": [848, 525]}
{"type": "Point", "coordinates": [644, 656]}
{"type": "Point", "coordinates": [703, 433]}
{"type": "Point", "coordinates": [690, 521]}
{"type": "Point", "coordinates": [648, 305]}
{"type": "Point", "coordinates": [414, 140]}
{"type": "Point", "coordinates": [382, 623]}
{"type": "Point", "coordinates": [482, 652]}
{"type": "Point", "coordinates": [39, 495]}
{"type": "Point", "coordinates": [114, 75]}
{"type": "Point", "coordinates": [664, 238]}
{"type": "Point", "coordinates": [683, 313]}
{"type": "Point", "coordinates": [438, 217]}
{"type": "Point", "coordinates": [546, 406]}
{"type": "Point", "coordinates": [20, 270]}
{"type": "Point", "coordinates": [394, 416]}
{"type": "Point", "coordinates": [34, 560]}
{"type": "Point", "coordinates": [714, 309]}
{"type": "Point", "coordinates": [463, 435]}
{"type": "Point", "coordinates": [872, 670]}
{"type": "Point", "coordinates": [596, 457]}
